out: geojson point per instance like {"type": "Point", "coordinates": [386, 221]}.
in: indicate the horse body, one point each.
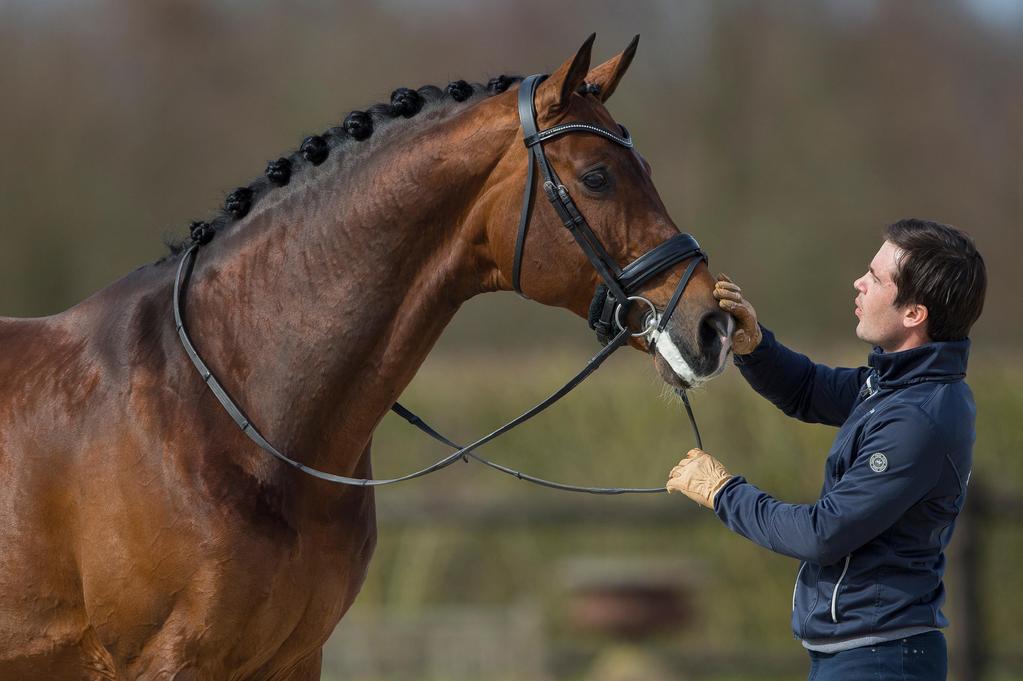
{"type": "Point", "coordinates": [252, 554]}
{"type": "Point", "coordinates": [142, 535]}
{"type": "Point", "coordinates": [203, 549]}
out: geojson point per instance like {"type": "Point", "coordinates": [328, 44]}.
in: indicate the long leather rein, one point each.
{"type": "Point", "coordinates": [612, 298]}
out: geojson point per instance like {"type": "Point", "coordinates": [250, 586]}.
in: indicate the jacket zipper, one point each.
{"type": "Point", "coordinates": [834, 594]}
{"type": "Point", "coordinates": [796, 587]}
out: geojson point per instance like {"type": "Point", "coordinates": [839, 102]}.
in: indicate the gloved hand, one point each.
{"type": "Point", "coordinates": [747, 334]}
{"type": "Point", "coordinates": [699, 476]}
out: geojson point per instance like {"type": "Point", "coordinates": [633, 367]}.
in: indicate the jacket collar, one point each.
{"type": "Point", "coordinates": [942, 362]}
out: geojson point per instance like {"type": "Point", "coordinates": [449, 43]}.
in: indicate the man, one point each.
{"type": "Point", "coordinates": [868, 596]}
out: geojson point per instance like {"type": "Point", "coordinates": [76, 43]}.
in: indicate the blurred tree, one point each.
{"type": "Point", "coordinates": [784, 135]}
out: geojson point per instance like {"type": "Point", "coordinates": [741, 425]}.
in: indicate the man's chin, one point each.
{"type": "Point", "coordinates": [863, 336]}
{"type": "Point", "coordinates": [871, 340]}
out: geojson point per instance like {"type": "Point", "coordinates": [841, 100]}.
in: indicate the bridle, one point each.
{"type": "Point", "coordinates": [612, 297]}
{"type": "Point", "coordinates": [616, 292]}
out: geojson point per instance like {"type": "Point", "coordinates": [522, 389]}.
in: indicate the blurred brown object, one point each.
{"type": "Point", "coordinates": [627, 598]}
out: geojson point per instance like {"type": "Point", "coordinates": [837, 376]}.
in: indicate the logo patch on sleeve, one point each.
{"type": "Point", "coordinates": [878, 462]}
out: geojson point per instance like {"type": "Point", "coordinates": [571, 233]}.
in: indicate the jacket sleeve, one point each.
{"type": "Point", "coordinates": [907, 455]}
{"type": "Point", "coordinates": [809, 392]}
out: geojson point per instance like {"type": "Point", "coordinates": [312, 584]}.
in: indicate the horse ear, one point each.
{"type": "Point", "coordinates": [610, 73]}
{"type": "Point", "coordinates": [553, 94]}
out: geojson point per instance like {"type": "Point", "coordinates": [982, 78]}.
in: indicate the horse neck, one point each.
{"type": "Point", "coordinates": [318, 311]}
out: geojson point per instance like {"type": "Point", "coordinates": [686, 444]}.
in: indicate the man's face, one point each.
{"type": "Point", "coordinates": [881, 323]}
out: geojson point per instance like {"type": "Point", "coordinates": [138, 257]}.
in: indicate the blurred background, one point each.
{"type": "Point", "coordinates": [783, 135]}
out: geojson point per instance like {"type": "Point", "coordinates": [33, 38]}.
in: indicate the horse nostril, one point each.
{"type": "Point", "coordinates": [713, 327]}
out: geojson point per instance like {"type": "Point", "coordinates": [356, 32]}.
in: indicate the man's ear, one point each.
{"type": "Point", "coordinates": [915, 316]}
{"type": "Point", "coordinates": [553, 94]}
{"type": "Point", "coordinates": [609, 74]}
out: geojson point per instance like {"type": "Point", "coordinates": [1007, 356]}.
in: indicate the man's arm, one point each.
{"type": "Point", "coordinates": [899, 461]}
{"type": "Point", "coordinates": [810, 392]}
{"type": "Point", "coordinates": [807, 391]}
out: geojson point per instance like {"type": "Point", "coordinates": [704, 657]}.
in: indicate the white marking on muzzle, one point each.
{"type": "Point", "coordinates": [667, 350]}
{"type": "Point", "coordinates": [726, 343]}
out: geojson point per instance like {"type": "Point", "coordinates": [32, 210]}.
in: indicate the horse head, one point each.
{"type": "Point", "coordinates": [610, 185]}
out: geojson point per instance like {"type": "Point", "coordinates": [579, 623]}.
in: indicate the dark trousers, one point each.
{"type": "Point", "coordinates": [923, 657]}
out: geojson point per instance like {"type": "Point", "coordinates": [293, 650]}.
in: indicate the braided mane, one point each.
{"type": "Point", "coordinates": [356, 127]}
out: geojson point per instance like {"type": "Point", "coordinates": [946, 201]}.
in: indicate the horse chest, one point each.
{"type": "Point", "coordinates": [304, 581]}
{"type": "Point", "coordinates": [236, 590]}
{"type": "Point", "coordinates": [291, 605]}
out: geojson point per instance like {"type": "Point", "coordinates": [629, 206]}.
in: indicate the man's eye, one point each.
{"type": "Point", "coordinates": [595, 180]}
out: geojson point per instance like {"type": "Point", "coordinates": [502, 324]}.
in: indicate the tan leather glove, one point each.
{"type": "Point", "coordinates": [747, 334]}
{"type": "Point", "coordinates": [699, 476]}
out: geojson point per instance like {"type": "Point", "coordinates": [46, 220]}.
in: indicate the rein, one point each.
{"type": "Point", "coordinates": [613, 296]}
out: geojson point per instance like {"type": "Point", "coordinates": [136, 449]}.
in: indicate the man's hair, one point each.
{"type": "Point", "coordinates": [939, 268]}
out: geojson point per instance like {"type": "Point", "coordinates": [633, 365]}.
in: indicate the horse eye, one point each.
{"type": "Point", "coordinates": [595, 180]}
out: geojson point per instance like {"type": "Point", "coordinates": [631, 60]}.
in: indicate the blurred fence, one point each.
{"type": "Point", "coordinates": [453, 642]}
{"type": "Point", "coordinates": [520, 641]}
{"type": "Point", "coordinates": [970, 658]}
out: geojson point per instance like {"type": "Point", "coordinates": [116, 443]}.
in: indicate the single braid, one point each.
{"type": "Point", "coordinates": [459, 90]}
{"type": "Point", "coordinates": [201, 232]}
{"type": "Point", "coordinates": [238, 202]}
{"type": "Point", "coordinates": [279, 171]}
{"type": "Point", "coordinates": [500, 84]}
{"type": "Point", "coordinates": [314, 149]}
{"type": "Point", "coordinates": [359, 125]}
{"type": "Point", "coordinates": [406, 102]}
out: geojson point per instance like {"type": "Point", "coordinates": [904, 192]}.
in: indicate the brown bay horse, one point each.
{"type": "Point", "coordinates": [142, 535]}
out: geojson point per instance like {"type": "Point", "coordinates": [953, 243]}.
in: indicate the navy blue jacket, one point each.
{"type": "Point", "coordinates": [872, 547]}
